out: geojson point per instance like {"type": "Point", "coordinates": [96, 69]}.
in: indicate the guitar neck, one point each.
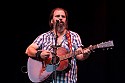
{"type": "Point", "coordinates": [72, 54]}
{"type": "Point", "coordinates": [100, 45]}
{"type": "Point", "coordinates": [92, 47]}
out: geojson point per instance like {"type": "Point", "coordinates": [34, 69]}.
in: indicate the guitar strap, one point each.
{"type": "Point", "coordinates": [68, 35]}
{"type": "Point", "coordinates": [69, 40]}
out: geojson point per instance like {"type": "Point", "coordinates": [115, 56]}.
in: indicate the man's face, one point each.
{"type": "Point", "coordinates": [61, 17]}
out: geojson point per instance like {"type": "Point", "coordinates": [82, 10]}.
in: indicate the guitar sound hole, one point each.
{"type": "Point", "coordinates": [55, 60]}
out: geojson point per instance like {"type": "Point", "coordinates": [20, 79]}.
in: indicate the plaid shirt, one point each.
{"type": "Point", "coordinates": [46, 40]}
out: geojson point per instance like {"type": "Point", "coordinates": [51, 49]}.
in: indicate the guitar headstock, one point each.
{"type": "Point", "coordinates": [106, 44]}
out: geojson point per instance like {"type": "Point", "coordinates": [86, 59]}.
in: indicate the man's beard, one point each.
{"type": "Point", "coordinates": [61, 27]}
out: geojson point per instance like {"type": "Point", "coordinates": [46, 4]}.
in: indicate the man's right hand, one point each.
{"type": "Point", "coordinates": [45, 54]}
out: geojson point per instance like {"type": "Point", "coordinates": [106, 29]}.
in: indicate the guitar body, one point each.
{"type": "Point", "coordinates": [63, 64]}
{"type": "Point", "coordinates": [38, 73]}
{"type": "Point", "coordinates": [35, 71]}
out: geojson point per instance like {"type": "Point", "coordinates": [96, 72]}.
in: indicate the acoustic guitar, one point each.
{"type": "Point", "coordinates": [39, 70]}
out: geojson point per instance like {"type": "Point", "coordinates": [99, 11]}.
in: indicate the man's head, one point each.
{"type": "Point", "coordinates": [58, 15]}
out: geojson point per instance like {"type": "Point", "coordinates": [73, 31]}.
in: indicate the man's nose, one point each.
{"type": "Point", "coordinates": [60, 19]}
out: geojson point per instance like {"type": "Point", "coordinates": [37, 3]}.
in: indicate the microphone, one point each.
{"type": "Point", "coordinates": [57, 22]}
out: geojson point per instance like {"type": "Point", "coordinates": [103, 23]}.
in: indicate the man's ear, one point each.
{"type": "Point", "coordinates": [51, 21]}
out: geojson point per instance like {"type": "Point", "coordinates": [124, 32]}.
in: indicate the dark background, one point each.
{"type": "Point", "coordinates": [95, 21]}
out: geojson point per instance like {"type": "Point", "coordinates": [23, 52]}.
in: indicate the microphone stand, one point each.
{"type": "Point", "coordinates": [54, 58]}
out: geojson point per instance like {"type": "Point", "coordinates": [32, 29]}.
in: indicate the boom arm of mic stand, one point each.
{"type": "Point", "coordinates": [54, 54]}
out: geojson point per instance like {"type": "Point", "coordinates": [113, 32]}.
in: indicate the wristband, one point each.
{"type": "Point", "coordinates": [38, 54]}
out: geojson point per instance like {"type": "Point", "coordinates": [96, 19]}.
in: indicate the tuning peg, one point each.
{"type": "Point", "coordinates": [111, 48]}
{"type": "Point", "coordinates": [107, 48]}
{"type": "Point", "coordinates": [103, 49]}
